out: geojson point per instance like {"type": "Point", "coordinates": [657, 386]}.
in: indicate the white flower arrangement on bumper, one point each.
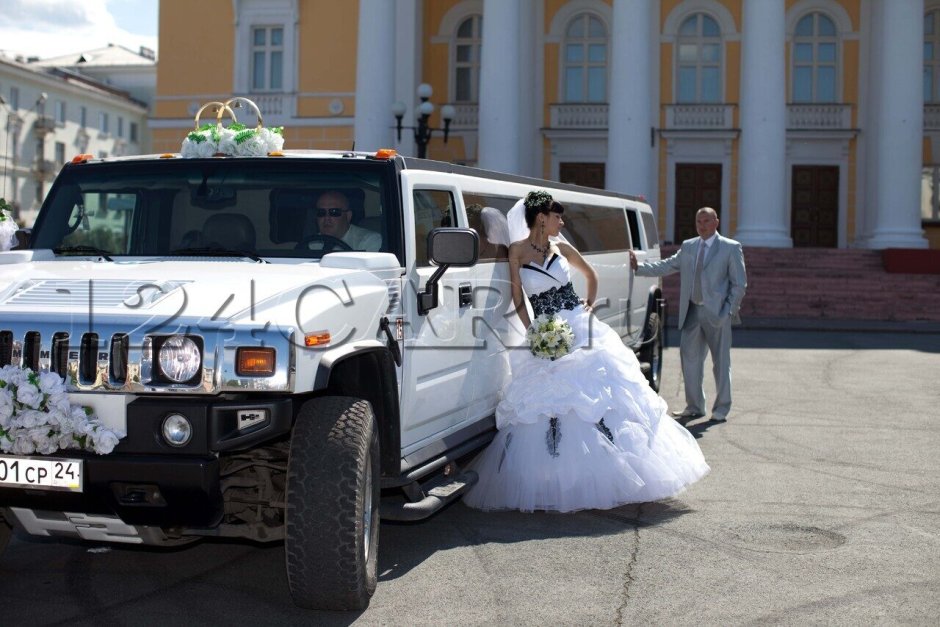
{"type": "Point", "coordinates": [236, 140]}
{"type": "Point", "coordinates": [550, 337]}
{"type": "Point", "coordinates": [37, 417]}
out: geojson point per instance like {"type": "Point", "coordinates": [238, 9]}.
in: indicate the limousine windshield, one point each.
{"type": "Point", "coordinates": [258, 208]}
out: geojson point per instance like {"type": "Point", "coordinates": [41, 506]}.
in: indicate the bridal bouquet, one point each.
{"type": "Point", "coordinates": [37, 417]}
{"type": "Point", "coordinates": [550, 337]}
{"type": "Point", "coordinates": [236, 140]}
{"type": "Point", "coordinates": [7, 226]}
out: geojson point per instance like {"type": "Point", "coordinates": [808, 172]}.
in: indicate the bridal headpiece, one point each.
{"type": "Point", "coordinates": [537, 198]}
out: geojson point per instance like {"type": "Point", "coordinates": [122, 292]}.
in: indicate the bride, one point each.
{"type": "Point", "coordinates": [582, 430]}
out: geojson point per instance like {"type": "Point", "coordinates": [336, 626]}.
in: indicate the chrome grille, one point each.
{"type": "Point", "coordinates": [108, 358]}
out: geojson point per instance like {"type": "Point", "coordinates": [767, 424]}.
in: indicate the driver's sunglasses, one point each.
{"type": "Point", "coordinates": [333, 212]}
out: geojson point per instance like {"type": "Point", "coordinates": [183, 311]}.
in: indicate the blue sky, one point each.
{"type": "Point", "coordinates": [49, 28]}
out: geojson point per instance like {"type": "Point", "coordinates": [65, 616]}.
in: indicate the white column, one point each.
{"type": "Point", "coordinates": [900, 128]}
{"type": "Point", "coordinates": [868, 108]}
{"type": "Point", "coordinates": [407, 68]}
{"type": "Point", "coordinates": [630, 115]}
{"type": "Point", "coordinates": [530, 90]}
{"type": "Point", "coordinates": [500, 110]}
{"type": "Point", "coordinates": [375, 75]}
{"type": "Point", "coordinates": [762, 212]}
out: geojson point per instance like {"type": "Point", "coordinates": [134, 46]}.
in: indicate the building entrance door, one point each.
{"type": "Point", "coordinates": [814, 216]}
{"type": "Point", "coordinates": [587, 174]}
{"type": "Point", "coordinates": [697, 185]}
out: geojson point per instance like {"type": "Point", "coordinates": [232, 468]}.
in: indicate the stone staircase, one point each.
{"type": "Point", "coordinates": [826, 285]}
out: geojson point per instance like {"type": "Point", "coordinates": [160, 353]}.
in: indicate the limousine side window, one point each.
{"type": "Point", "coordinates": [433, 208]}
{"type": "Point", "coordinates": [595, 229]}
{"type": "Point", "coordinates": [634, 228]}
{"type": "Point", "coordinates": [486, 214]}
{"type": "Point", "coordinates": [652, 233]}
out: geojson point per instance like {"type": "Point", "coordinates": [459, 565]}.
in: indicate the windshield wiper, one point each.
{"type": "Point", "coordinates": [211, 251]}
{"type": "Point", "coordinates": [83, 250]}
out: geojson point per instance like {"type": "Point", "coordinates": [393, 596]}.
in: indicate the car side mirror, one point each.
{"type": "Point", "coordinates": [447, 247]}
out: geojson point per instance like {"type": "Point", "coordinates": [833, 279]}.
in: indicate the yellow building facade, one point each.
{"type": "Point", "coordinates": [792, 118]}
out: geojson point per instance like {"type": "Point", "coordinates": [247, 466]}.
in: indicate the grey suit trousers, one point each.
{"type": "Point", "coordinates": [701, 333]}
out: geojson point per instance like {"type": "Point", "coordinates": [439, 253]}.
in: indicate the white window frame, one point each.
{"type": "Point", "coordinates": [699, 40]}
{"type": "Point", "coordinates": [845, 31]}
{"type": "Point", "coordinates": [267, 50]}
{"type": "Point", "coordinates": [586, 64]}
{"type": "Point", "coordinates": [815, 40]}
{"type": "Point", "coordinates": [252, 13]}
{"type": "Point", "coordinates": [475, 43]}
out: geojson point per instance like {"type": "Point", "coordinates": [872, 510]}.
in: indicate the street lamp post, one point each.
{"type": "Point", "coordinates": [423, 130]}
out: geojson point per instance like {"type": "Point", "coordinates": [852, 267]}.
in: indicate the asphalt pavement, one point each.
{"type": "Point", "coordinates": [822, 507]}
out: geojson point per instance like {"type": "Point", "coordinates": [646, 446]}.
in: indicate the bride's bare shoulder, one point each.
{"type": "Point", "coordinates": [517, 248]}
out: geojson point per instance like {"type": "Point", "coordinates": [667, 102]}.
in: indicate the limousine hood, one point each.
{"type": "Point", "coordinates": [229, 289]}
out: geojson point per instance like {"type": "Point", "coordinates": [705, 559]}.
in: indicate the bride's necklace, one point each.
{"type": "Point", "coordinates": [542, 251]}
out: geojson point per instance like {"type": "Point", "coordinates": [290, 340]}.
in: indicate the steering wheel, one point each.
{"type": "Point", "coordinates": [76, 220]}
{"type": "Point", "coordinates": [329, 242]}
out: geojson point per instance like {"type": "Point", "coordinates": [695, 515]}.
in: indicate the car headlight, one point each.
{"type": "Point", "coordinates": [179, 358]}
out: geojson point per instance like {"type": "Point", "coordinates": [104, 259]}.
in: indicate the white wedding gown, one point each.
{"type": "Point", "coordinates": [584, 431]}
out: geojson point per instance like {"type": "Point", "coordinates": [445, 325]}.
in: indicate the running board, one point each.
{"type": "Point", "coordinates": [438, 493]}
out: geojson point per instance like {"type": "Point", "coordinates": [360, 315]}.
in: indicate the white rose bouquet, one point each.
{"type": "Point", "coordinates": [37, 417]}
{"type": "Point", "coordinates": [236, 140]}
{"type": "Point", "coordinates": [550, 337]}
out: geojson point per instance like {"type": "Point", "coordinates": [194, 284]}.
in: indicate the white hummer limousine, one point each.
{"type": "Point", "coordinates": [268, 380]}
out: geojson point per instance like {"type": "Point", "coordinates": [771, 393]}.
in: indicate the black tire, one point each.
{"type": "Point", "coordinates": [332, 517]}
{"type": "Point", "coordinates": [652, 351]}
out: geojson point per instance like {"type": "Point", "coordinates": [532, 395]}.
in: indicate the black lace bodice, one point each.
{"type": "Point", "coordinates": [555, 299]}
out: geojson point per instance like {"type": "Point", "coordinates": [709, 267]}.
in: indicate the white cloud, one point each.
{"type": "Point", "coordinates": [49, 28]}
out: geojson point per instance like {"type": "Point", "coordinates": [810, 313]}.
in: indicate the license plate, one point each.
{"type": "Point", "coordinates": [41, 473]}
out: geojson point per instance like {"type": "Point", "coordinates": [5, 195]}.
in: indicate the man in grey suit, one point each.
{"type": "Point", "coordinates": [713, 281]}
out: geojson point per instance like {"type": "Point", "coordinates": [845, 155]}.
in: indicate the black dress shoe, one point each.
{"type": "Point", "coordinates": [687, 414]}
{"type": "Point", "coordinates": [719, 419]}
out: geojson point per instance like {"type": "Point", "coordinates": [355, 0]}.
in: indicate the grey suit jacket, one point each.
{"type": "Point", "coordinates": [724, 278]}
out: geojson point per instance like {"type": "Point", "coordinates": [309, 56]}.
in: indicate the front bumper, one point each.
{"type": "Point", "coordinates": [147, 490]}
{"type": "Point", "coordinates": [145, 481]}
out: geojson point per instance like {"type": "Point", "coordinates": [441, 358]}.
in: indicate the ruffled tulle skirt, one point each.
{"type": "Point", "coordinates": [583, 432]}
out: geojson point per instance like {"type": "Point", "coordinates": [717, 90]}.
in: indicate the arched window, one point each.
{"type": "Point", "coordinates": [585, 60]}
{"type": "Point", "coordinates": [815, 53]}
{"type": "Point", "coordinates": [932, 56]}
{"type": "Point", "coordinates": [699, 60]}
{"type": "Point", "coordinates": [467, 60]}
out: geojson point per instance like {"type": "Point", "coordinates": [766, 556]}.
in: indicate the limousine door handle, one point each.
{"type": "Point", "coordinates": [464, 295]}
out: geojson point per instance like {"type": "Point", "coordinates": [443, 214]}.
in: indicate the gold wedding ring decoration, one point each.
{"type": "Point", "coordinates": [221, 108]}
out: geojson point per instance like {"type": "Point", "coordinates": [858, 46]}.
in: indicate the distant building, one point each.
{"type": "Point", "coordinates": [51, 112]}
{"type": "Point", "coordinates": [115, 66]}
{"type": "Point", "coordinates": [807, 123]}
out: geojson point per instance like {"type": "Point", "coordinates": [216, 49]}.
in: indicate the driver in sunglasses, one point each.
{"type": "Point", "coordinates": [334, 219]}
